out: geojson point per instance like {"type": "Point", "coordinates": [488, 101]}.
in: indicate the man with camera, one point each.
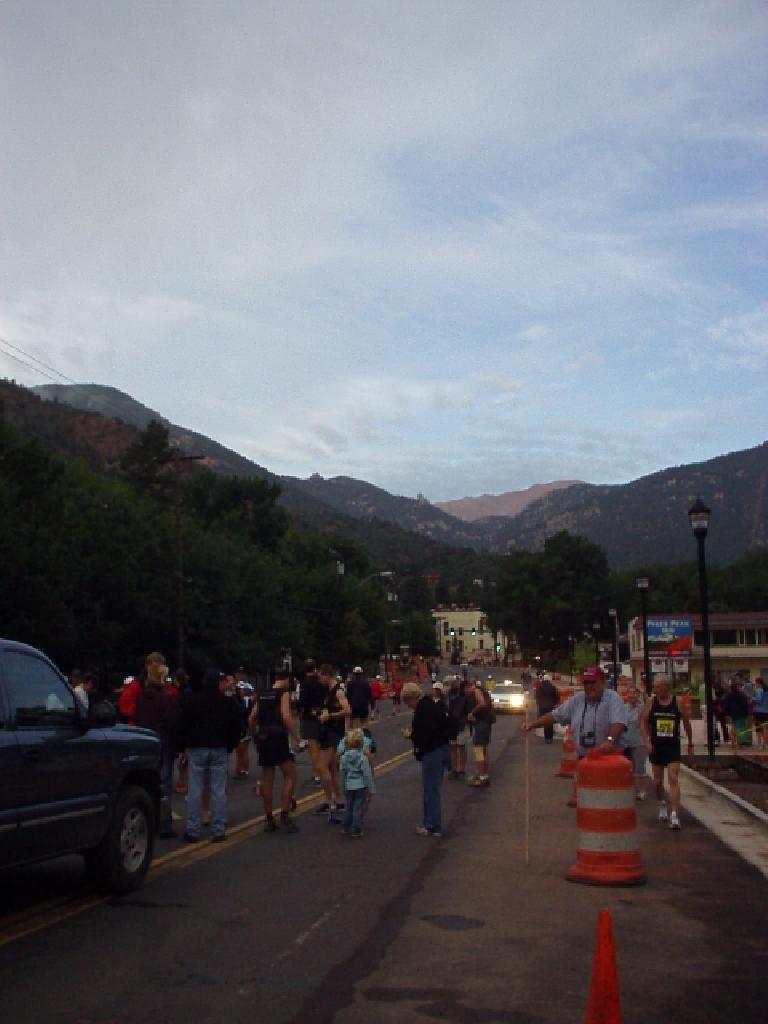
{"type": "Point", "coordinates": [598, 716]}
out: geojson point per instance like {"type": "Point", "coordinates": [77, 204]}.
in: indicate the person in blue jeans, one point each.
{"type": "Point", "coordinates": [356, 780]}
{"type": "Point", "coordinates": [211, 729]}
{"type": "Point", "coordinates": [430, 733]}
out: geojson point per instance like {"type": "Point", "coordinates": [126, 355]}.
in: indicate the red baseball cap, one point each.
{"type": "Point", "coordinates": [592, 674]}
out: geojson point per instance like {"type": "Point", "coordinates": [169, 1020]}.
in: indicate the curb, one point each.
{"type": "Point", "coordinates": [699, 779]}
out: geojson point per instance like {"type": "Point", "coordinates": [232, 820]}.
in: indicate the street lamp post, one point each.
{"type": "Point", "coordinates": [615, 645]}
{"type": "Point", "coordinates": [698, 515]}
{"type": "Point", "coordinates": [642, 584]}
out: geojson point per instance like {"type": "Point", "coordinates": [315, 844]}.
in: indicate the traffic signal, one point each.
{"type": "Point", "coordinates": [498, 648]}
{"type": "Point", "coordinates": [453, 631]}
{"type": "Point", "coordinates": [474, 631]}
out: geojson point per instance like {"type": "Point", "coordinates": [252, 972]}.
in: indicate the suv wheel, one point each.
{"type": "Point", "coordinates": [122, 858]}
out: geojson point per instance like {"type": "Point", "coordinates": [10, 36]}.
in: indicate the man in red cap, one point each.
{"type": "Point", "coordinates": [598, 716]}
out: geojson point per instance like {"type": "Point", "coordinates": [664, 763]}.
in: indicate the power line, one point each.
{"type": "Point", "coordinates": [30, 366]}
{"type": "Point", "coordinates": [46, 366]}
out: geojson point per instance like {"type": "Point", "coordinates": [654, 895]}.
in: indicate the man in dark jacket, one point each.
{"type": "Point", "coordinates": [210, 728]}
{"type": "Point", "coordinates": [359, 697]}
{"type": "Point", "coordinates": [158, 710]}
{"type": "Point", "coordinates": [430, 733]}
{"type": "Point", "coordinates": [547, 699]}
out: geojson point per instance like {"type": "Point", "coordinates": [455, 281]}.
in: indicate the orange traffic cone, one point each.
{"type": "Point", "coordinates": [570, 758]}
{"type": "Point", "coordinates": [604, 1005]}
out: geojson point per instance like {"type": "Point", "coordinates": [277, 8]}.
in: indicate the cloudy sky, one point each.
{"type": "Point", "coordinates": [448, 247]}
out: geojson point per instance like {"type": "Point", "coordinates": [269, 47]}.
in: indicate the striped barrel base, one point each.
{"type": "Point", "coordinates": [608, 851]}
{"type": "Point", "coordinates": [607, 869]}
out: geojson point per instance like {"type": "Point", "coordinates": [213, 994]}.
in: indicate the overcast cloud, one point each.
{"type": "Point", "coordinates": [452, 247]}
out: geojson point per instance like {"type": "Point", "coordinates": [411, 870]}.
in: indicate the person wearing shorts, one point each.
{"type": "Point", "coordinates": [271, 722]}
{"type": "Point", "coordinates": [459, 706]}
{"type": "Point", "coordinates": [482, 717]}
{"type": "Point", "coordinates": [311, 699]}
{"type": "Point", "coordinates": [333, 716]}
{"type": "Point", "coordinates": [660, 722]}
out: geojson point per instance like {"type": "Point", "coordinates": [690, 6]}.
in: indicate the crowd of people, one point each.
{"type": "Point", "coordinates": [205, 727]}
{"type": "Point", "coordinates": [329, 716]}
{"type": "Point", "coordinates": [740, 707]}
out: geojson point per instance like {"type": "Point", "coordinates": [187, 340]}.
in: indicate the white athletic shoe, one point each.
{"type": "Point", "coordinates": [674, 821]}
{"type": "Point", "coordinates": [663, 815]}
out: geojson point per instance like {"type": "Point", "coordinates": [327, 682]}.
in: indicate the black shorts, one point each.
{"type": "Point", "coordinates": [330, 738]}
{"type": "Point", "coordinates": [665, 753]}
{"type": "Point", "coordinates": [309, 729]}
{"type": "Point", "coordinates": [273, 750]}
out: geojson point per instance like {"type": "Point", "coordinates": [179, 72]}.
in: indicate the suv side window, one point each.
{"type": "Point", "coordinates": [37, 695]}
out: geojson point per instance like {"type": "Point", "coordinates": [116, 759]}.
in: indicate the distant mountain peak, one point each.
{"type": "Point", "coordinates": [511, 503]}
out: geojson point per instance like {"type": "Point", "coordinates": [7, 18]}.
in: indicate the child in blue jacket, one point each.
{"type": "Point", "coordinates": [357, 782]}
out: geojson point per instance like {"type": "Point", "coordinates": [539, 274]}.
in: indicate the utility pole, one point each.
{"type": "Point", "coordinates": [176, 460]}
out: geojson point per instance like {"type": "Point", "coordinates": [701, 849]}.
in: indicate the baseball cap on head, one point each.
{"type": "Point", "coordinates": [592, 674]}
{"type": "Point", "coordinates": [357, 668]}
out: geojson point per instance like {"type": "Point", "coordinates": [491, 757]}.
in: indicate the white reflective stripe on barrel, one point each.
{"type": "Point", "coordinates": [606, 798]}
{"type": "Point", "coordinates": [608, 842]}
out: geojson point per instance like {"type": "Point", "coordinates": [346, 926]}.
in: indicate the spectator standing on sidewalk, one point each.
{"type": "Point", "coordinates": [660, 721]}
{"type": "Point", "coordinates": [736, 709]}
{"type": "Point", "coordinates": [760, 712]}
{"type": "Point", "coordinates": [547, 699]}
{"type": "Point", "coordinates": [430, 733]}
{"type": "Point", "coordinates": [597, 716]}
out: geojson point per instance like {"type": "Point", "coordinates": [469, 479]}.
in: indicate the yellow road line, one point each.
{"type": "Point", "coordinates": [44, 915]}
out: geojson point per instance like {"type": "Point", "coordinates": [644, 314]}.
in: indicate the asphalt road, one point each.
{"type": "Point", "coordinates": [316, 927]}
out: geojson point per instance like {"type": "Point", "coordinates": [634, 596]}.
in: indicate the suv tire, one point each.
{"type": "Point", "coordinates": [122, 858]}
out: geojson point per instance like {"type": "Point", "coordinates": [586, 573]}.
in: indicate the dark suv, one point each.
{"type": "Point", "coordinates": [72, 782]}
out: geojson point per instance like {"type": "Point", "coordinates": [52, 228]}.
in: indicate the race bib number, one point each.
{"type": "Point", "coordinates": [665, 728]}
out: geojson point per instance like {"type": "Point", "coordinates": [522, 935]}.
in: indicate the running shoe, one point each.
{"type": "Point", "coordinates": [287, 824]}
{"type": "Point", "coordinates": [322, 808]}
{"type": "Point", "coordinates": [674, 821]}
{"type": "Point", "coordinates": [663, 814]}
{"type": "Point", "coordinates": [270, 825]}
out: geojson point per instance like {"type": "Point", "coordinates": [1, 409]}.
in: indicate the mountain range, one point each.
{"type": "Point", "coordinates": [640, 523]}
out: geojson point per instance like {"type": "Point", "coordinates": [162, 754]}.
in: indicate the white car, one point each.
{"type": "Point", "coordinates": [509, 697]}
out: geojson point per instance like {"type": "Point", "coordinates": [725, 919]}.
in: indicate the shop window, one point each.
{"type": "Point", "coordinates": [724, 638]}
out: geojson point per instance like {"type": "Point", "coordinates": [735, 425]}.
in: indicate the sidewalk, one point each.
{"type": "Point", "coordinates": [481, 936]}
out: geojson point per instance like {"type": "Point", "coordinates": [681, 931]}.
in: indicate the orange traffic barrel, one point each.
{"type": "Point", "coordinates": [606, 816]}
{"type": "Point", "coordinates": [569, 759]}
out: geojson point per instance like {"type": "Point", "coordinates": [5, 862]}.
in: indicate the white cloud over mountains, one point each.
{"type": "Point", "coordinates": [452, 248]}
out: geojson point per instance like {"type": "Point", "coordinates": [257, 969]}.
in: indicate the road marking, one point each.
{"type": "Point", "coordinates": [35, 919]}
